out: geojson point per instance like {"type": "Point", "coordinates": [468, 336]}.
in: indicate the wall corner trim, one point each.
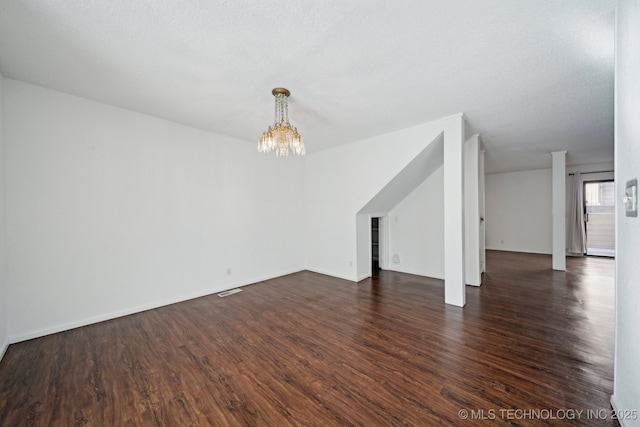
{"type": "Point", "coordinates": [616, 409]}
{"type": "Point", "coordinates": [3, 350]}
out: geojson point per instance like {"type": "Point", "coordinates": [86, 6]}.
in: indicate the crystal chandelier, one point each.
{"type": "Point", "coordinates": [281, 136]}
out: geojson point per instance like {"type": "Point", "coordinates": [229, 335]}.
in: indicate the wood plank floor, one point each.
{"type": "Point", "coordinates": [311, 350]}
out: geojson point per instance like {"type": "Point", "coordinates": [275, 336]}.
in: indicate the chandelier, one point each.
{"type": "Point", "coordinates": [281, 136]}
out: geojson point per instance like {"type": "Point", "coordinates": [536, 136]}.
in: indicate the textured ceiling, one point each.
{"type": "Point", "coordinates": [532, 76]}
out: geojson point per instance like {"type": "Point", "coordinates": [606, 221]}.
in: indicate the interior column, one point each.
{"type": "Point", "coordinates": [454, 261]}
{"type": "Point", "coordinates": [558, 166]}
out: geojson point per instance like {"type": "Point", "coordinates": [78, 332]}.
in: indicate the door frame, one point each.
{"type": "Point", "coordinates": [586, 215]}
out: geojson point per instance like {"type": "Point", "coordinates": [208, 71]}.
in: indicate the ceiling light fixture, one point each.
{"type": "Point", "coordinates": [281, 136]}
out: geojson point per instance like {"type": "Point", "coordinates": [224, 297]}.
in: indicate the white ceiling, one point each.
{"type": "Point", "coordinates": [531, 76]}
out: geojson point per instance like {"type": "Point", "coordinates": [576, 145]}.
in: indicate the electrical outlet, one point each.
{"type": "Point", "coordinates": [229, 271]}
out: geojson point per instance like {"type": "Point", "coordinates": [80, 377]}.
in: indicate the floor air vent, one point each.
{"type": "Point", "coordinates": [229, 292]}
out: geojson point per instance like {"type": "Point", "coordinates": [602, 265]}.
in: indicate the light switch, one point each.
{"type": "Point", "coordinates": [631, 198]}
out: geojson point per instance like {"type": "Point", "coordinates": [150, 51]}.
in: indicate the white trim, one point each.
{"type": "Point", "coordinates": [518, 251]}
{"type": "Point", "coordinates": [133, 310]}
{"type": "Point", "coordinates": [3, 349]}
{"type": "Point", "coordinates": [623, 422]}
{"type": "Point", "coordinates": [337, 276]}
{"type": "Point", "coordinates": [415, 273]}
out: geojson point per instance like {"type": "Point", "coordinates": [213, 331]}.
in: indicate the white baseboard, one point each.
{"type": "Point", "coordinates": [415, 273]}
{"type": "Point", "coordinates": [133, 310]}
{"type": "Point", "coordinates": [326, 273]}
{"type": "Point", "coordinates": [361, 278]}
{"type": "Point", "coordinates": [623, 422]}
{"type": "Point", "coordinates": [521, 251]}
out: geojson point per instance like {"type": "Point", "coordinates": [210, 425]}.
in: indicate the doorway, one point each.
{"type": "Point", "coordinates": [599, 217]}
{"type": "Point", "coordinates": [375, 245]}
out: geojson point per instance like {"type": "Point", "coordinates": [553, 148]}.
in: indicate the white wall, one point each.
{"type": "Point", "coordinates": [404, 183]}
{"type": "Point", "coordinates": [483, 223]}
{"type": "Point", "coordinates": [416, 223]}
{"type": "Point", "coordinates": [472, 215]}
{"type": "Point", "coordinates": [626, 391]}
{"type": "Point", "coordinates": [4, 337]}
{"type": "Point", "coordinates": [501, 214]}
{"type": "Point", "coordinates": [416, 229]}
{"type": "Point", "coordinates": [363, 232]}
{"type": "Point", "coordinates": [110, 211]}
{"type": "Point", "coordinates": [339, 182]}
{"type": "Point", "coordinates": [518, 211]}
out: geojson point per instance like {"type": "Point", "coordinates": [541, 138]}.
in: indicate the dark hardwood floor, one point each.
{"type": "Point", "coordinates": [311, 350]}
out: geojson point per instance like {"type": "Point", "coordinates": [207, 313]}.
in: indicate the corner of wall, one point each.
{"type": "Point", "coordinates": [617, 409]}
{"type": "Point", "coordinates": [194, 226]}
{"type": "Point", "coordinates": [626, 382]}
{"type": "Point", "coordinates": [4, 341]}
{"type": "Point", "coordinates": [359, 170]}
